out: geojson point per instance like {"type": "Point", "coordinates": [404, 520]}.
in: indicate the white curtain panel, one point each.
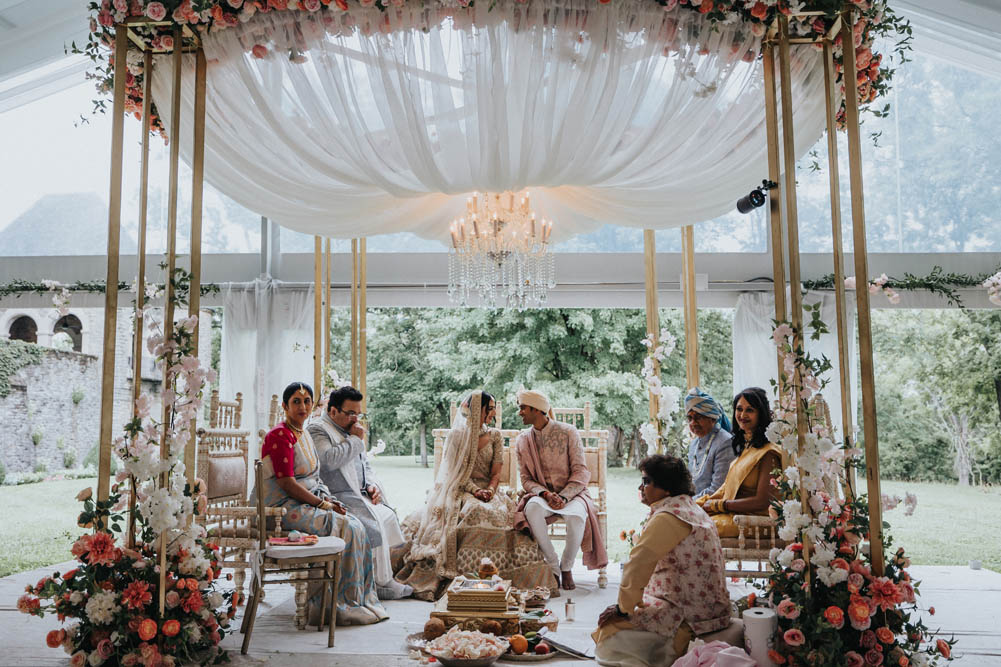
{"type": "Point", "coordinates": [267, 343]}
{"type": "Point", "coordinates": [362, 123]}
{"type": "Point", "coordinates": [754, 360]}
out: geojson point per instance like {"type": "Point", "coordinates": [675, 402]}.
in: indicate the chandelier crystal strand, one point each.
{"type": "Point", "coordinates": [500, 252]}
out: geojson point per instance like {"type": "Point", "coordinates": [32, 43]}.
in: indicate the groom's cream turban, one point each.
{"type": "Point", "coordinates": [535, 399]}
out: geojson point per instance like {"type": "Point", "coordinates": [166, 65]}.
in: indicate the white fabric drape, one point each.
{"type": "Point", "coordinates": [754, 361]}
{"type": "Point", "coordinates": [619, 113]}
{"type": "Point", "coordinates": [267, 343]}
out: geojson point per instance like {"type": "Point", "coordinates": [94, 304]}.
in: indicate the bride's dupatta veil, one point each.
{"type": "Point", "coordinates": [436, 538]}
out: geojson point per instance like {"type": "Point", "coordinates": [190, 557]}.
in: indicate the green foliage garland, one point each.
{"type": "Point", "coordinates": [937, 282]}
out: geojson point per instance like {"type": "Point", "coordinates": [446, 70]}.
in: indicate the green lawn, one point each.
{"type": "Point", "coordinates": [948, 527]}
{"type": "Point", "coordinates": [40, 524]}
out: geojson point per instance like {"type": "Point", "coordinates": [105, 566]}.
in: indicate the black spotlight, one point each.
{"type": "Point", "coordinates": [756, 197]}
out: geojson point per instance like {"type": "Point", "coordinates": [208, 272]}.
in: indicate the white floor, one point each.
{"type": "Point", "coordinates": [967, 603]}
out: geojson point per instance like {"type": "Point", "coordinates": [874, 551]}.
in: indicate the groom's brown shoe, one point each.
{"type": "Point", "coordinates": [568, 584]}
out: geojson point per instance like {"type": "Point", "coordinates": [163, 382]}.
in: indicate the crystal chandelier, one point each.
{"type": "Point", "coordinates": [500, 253]}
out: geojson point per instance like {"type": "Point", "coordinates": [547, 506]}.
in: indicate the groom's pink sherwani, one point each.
{"type": "Point", "coordinates": [552, 459]}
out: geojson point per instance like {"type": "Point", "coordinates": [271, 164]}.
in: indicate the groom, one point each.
{"type": "Point", "coordinates": [344, 468]}
{"type": "Point", "coordinates": [554, 477]}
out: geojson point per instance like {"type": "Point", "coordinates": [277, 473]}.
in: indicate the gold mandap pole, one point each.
{"type": "Point", "coordinates": [326, 307]}
{"type": "Point", "coordinates": [691, 307]}
{"type": "Point", "coordinates": [862, 299]}
{"type": "Point", "coordinates": [195, 286]}
{"type": "Point", "coordinates": [652, 315]}
{"type": "Point", "coordinates": [137, 323]}
{"type": "Point", "coordinates": [847, 426]}
{"type": "Point", "coordinates": [792, 229]}
{"type": "Point", "coordinates": [317, 314]}
{"type": "Point", "coordinates": [362, 321]}
{"type": "Point", "coordinates": [111, 278]}
{"type": "Point", "coordinates": [354, 312]}
{"type": "Point", "coordinates": [168, 307]}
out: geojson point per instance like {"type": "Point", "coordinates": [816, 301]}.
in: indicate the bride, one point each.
{"type": "Point", "coordinates": [465, 518]}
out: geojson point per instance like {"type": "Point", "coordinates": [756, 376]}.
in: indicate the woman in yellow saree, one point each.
{"type": "Point", "coordinates": [747, 488]}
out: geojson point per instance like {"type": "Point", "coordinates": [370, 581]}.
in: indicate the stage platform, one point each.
{"type": "Point", "coordinates": [967, 604]}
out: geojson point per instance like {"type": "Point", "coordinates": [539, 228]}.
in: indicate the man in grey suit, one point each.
{"type": "Point", "coordinates": [710, 452]}
{"type": "Point", "coordinates": [344, 468]}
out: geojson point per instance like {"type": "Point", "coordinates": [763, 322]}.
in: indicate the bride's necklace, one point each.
{"type": "Point", "coordinates": [484, 429]}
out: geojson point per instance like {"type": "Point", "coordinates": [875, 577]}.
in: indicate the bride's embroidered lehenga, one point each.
{"type": "Point", "coordinates": [455, 530]}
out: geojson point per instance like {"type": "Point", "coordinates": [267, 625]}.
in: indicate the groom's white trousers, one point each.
{"type": "Point", "coordinates": [574, 514]}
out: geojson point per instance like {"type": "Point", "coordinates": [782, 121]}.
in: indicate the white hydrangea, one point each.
{"type": "Point", "coordinates": [786, 557]}
{"type": "Point", "coordinates": [831, 576]}
{"type": "Point", "coordinates": [160, 509]}
{"type": "Point", "coordinates": [101, 607]}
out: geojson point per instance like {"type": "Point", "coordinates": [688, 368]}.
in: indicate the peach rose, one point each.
{"type": "Point", "coordinates": [884, 634]}
{"type": "Point", "coordinates": [788, 609]}
{"type": "Point", "coordinates": [55, 638]}
{"type": "Point", "coordinates": [835, 616]}
{"type": "Point", "coordinates": [944, 648]}
{"type": "Point", "coordinates": [78, 659]}
{"type": "Point", "coordinates": [259, 51]}
{"type": "Point", "coordinates": [85, 494]}
{"type": "Point", "coordinates": [171, 627]}
{"type": "Point", "coordinates": [147, 629]}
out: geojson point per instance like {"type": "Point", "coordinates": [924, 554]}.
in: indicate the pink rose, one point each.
{"type": "Point", "coordinates": [874, 657]}
{"type": "Point", "coordinates": [105, 19]}
{"type": "Point", "coordinates": [794, 637]}
{"type": "Point", "coordinates": [172, 599]}
{"type": "Point", "coordinates": [310, 5]}
{"type": "Point", "coordinates": [156, 11]}
{"type": "Point", "coordinates": [788, 609]}
{"type": "Point", "coordinates": [850, 284]}
{"type": "Point", "coordinates": [853, 659]}
{"type": "Point", "coordinates": [105, 649]}
{"type": "Point", "coordinates": [167, 41]}
{"type": "Point", "coordinates": [78, 659]}
{"type": "Point", "coordinates": [259, 50]}
{"type": "Point", "coordinates": [798, 565]}
{"type": "Point", "coordinates": [235, 4]}
{"type": "Point", "coordinates": [121, 5]}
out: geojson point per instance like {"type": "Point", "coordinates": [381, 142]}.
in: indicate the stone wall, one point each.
{"type": "Point", "coordinates": [40, 400]}
{"type": "Point", "coordinates": [40, 419]}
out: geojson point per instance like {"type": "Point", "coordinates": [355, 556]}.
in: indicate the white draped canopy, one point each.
{"type": "Point", "coordinates": [369, 122]}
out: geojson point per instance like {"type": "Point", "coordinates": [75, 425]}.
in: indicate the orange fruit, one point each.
{"type": "Point", "coordinates": [518, 644]}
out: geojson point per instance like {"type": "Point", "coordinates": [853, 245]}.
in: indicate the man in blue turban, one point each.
{"type": "Point", "coordinates": [710, 452]}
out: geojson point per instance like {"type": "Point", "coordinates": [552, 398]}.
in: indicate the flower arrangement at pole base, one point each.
{"type": "Point", "coordinates": [111, 598]}
{"type": "Point", "coordinates": [833, 605]}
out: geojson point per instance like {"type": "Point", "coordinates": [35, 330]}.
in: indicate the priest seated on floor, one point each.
{"type": "Point", "coordinates": [670, 593]}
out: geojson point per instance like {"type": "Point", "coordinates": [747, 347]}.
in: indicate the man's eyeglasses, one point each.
{"type": "Point", "coordinates": [694, 416]}
{"type": "Point", "coordinates": [645, 481]}
{"type": "Point", "coordinates": [352, 413]}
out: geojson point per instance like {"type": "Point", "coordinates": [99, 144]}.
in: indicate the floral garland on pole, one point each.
{"type": "Point", "coordinates": [114, 590]}
{"type": "Point", "coordinates": [993, 287]}
{"type": "Point", "coordinates": [874, 20]}
{"type": "Point", "coordinates": [654, 432]}
{"type": "Point", "coordinates": [832, 610]}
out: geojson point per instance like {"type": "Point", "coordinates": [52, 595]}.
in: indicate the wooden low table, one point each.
{"type": "Point", "coordinates": [510, 621]}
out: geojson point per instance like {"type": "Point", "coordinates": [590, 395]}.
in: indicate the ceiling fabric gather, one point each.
{"type": "Point", "coordinates": [372, 123]}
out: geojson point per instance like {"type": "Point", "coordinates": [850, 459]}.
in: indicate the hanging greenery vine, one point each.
{"type": "Point", "coordinates": [945, 284]}
{"type": "Point", "coordinates": [15, 355]}
{"type": "Point", "coordinates": [18, 287]}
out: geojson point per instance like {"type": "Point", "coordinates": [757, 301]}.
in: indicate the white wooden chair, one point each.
{"type": "Point", "coordinates": [287, 565]}
{"type": "Point", "coordinates": [222, 462]}
{"type": "Point", "coordinates": [595, 455]}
